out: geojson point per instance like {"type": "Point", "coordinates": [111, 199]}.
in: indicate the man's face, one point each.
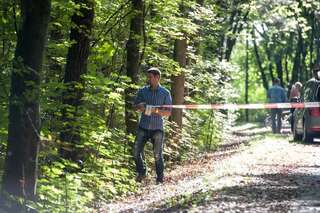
{"type": "Point", "coordinates": [153, 80]}
{"type": "Point", "coordinates": [298, 86]}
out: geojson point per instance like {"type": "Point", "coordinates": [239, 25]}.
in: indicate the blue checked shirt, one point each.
{"type": "Point", "coordinates": [161, 96]}
{"type": "Point", "coordinates": [276, 94]}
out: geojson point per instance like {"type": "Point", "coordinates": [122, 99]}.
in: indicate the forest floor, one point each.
{"type": "Point", "coordinates": [252, 171]}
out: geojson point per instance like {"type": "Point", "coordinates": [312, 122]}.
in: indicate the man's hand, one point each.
{"type": "Point", "coordinates": [155, 111]}
{"type": "Point", "coordinates": [141, 107]}
{"type": "Point", "coordinates": [160, 112]}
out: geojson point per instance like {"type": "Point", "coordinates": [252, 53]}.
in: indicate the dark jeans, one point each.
{"type": "Point", "coordinates": [276, 120]}
{"type": "Point", "coordinates": [156, 136]}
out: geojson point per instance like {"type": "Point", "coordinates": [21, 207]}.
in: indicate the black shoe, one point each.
{"type": "Point", "coordinates": [159, 181]}
{"type": "Point", "coordinates": [139, 178]}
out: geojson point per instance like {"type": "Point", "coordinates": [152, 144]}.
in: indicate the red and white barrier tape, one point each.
{"type": "Point", "coordinates": [241, 106]}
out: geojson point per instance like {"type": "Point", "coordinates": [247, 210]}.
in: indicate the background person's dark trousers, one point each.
{"type": "Point", "coordinates": [276, 120]}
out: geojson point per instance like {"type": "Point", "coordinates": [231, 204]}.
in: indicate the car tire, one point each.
{"type": "Point", "coordinates": [306, 137]}
{"type": "Point", "coordinates": [296, 136]}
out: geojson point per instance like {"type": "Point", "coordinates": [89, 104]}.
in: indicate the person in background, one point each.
{"type": "Point", "coordinates": [151, 123]}
{"type": "Point", "coordinates": [276, 94]}
{"type": "Point", "coordinates": [294, 97]}
{"type": "Point", "coordinates": [316, 71]}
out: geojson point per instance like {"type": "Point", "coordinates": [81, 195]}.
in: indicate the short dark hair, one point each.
{"type": "Point", "coordinates": [154, 71]}
{"type": "Point", "coordinates": [276, 81]}
{"type": "Point", "coordinates": [316, 67]}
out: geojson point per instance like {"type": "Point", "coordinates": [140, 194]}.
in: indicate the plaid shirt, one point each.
{"type": "Point", "coordinates": [161, 96]}
{"type": "Point", "coordinates": [276, 94]}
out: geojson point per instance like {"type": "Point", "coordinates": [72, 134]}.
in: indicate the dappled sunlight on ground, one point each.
{"type": "Point", "coordinates": [249, 172]}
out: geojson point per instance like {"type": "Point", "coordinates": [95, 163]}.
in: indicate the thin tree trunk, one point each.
{"type": "Point", "coordinates": [278, 62]}
{"type": "Point", "coordinates": [133, 61]}
{"type": "Point", "coordinates": [312, 36]}
{"type": "Point", "coordinates": [20, 173]}
{"type": "Point", "coordinates": [270, 67]}
{"type": "Point", "coordinates": [197, 39]}
{"type": "Point", "coordinates": [76, 66]}
{"type": "Point", "coordinates": [177, 85]}
{"type": "Point", "coordinates": [288, 53]}
{"type": "Point", "coordinates": [247, 79]}
{"type": "Point", "coordinates": [286, 68]}
{"type": "Point", "coordinates": [232, 24]}
{"type": "Point", "coordinates": [221, 48]}
{"type": "Point", "coordinates": [237, 28]}
{"type": "Point", "coordinates": [304, 70]}
{"type": "Point", "coordinates": [259, 63]}
{"type": "Point", "coordinates": [296, 63]}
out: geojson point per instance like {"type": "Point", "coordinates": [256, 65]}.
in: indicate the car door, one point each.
{"type": "Point", "coordinates": [306, 95]}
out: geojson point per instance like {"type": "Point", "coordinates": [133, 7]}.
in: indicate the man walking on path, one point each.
{"type": "Point", "coordinates": [276, 94]}
{"type": "Point", "coordinates": [151, 123]}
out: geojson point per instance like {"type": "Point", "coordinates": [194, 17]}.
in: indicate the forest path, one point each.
{"type": "Point", "coordinates": [250, 171]}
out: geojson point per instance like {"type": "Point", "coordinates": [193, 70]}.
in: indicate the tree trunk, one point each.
{"type": "Point", "coordinates": [287, 54]}
{"type": "Point", "coordinates": [286, 68]}
{"type": "Point", "coordinates": [278, 62]}
{"type": "Point", "coordinates": [133, 61]}
{"type": "Point", "coordinates": [247, 79]}
{"type": "Point", "coordinates": [269, 57]}
{"type": "Point", "coordinates": [220, 52]}
{"type": "Point", "coordinates": [199, 33]}
{"type": "Point", "coordinates": [237, 27]}
{"type": "Point", "coordinates": [20, 173]}
{"type": "Point", "coordinates": [232, 24]}
{"type": "Point", "coordinates": [304, 70]}
{"type": "Point", "coordinates": [312, 36]}
{"type": "Point", "coordinates": [259, 63]}
{"type": "Point", "coordinates": [76, 66]}
{"type": "Point", "coordinates": [177, 82]}
{"type": "Point", "coordinates": [296, 63]}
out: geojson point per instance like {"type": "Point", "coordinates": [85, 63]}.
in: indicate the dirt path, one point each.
{"type": "Point", "coordinates": [271, 174]}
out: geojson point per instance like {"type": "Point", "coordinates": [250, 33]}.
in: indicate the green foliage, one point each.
{"type": "Point", "coordinates": [8, 41]}
{"type": "Point", "coordinates": [278, 26]}
{"type": "Point", "coordinates": [106, 170]}
{"type": "Point", "coordinates": [210, 82]}
{"type": "Point", "coordinates": [257, 93]}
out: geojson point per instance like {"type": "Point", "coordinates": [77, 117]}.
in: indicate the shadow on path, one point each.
{"type": "Point", "coordinates": [272, 192]}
